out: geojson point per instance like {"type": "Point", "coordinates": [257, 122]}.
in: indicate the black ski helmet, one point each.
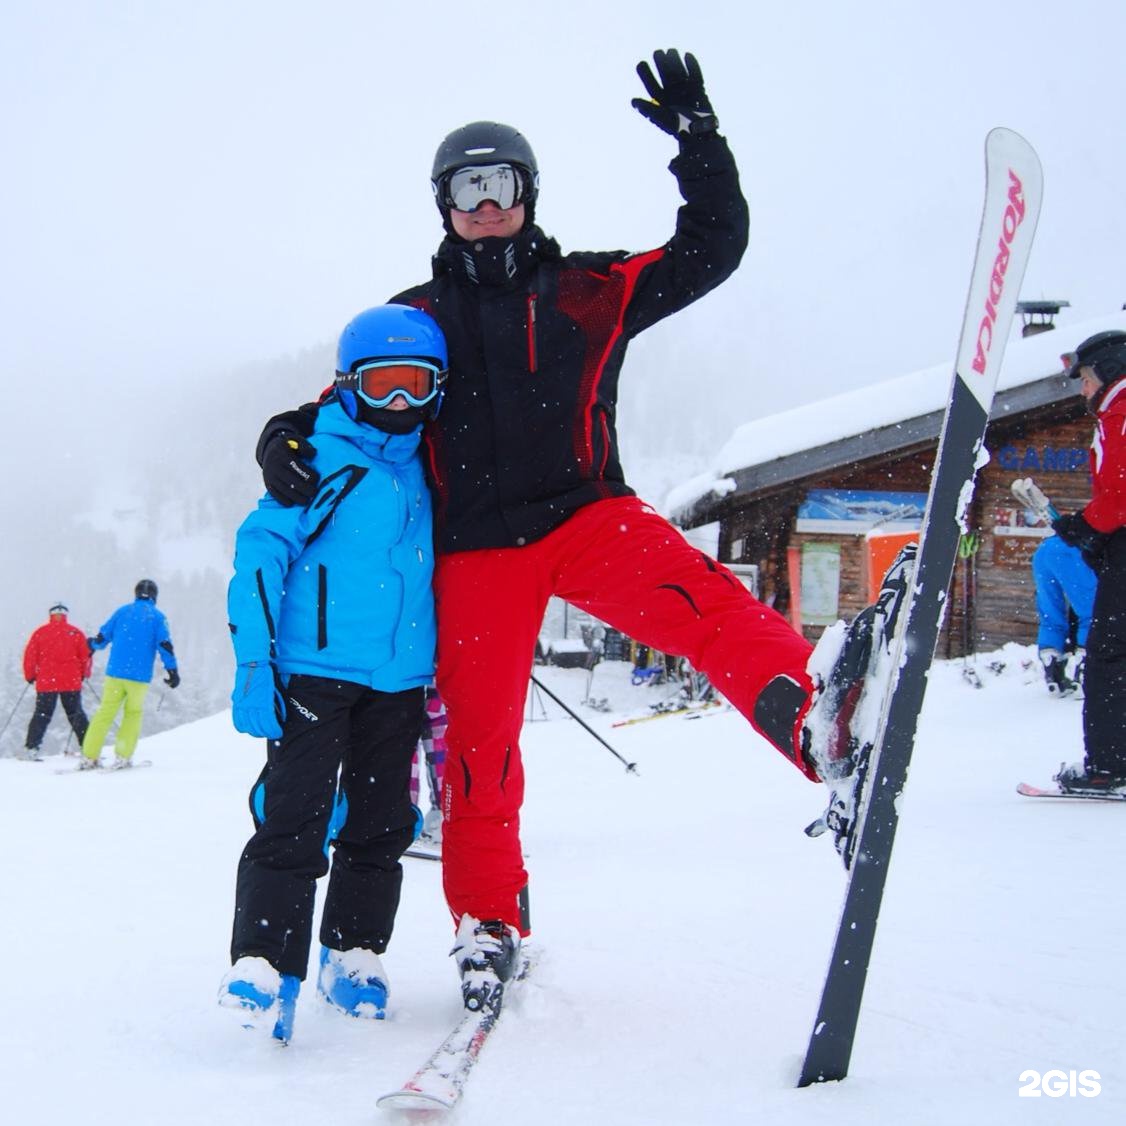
{"type": "Point", "coordinates": [485, 142]}
{"type": "Point", "coordinates": [146, 588]}
{"type": "Point", "coordinates": [1105, 352]}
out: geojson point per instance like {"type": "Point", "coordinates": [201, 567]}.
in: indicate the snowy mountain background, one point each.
{"type": "Point", "coordinates": [684, 924]}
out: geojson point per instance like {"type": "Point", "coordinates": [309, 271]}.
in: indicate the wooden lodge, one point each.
{"type": "Point", "coordinates": [815, 525]}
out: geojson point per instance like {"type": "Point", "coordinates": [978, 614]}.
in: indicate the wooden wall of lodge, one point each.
{"type": "Point", "coordinates": [1004, 608]}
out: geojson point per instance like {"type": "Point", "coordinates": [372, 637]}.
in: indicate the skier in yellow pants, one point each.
{"type": "Point", "coordinates": [138, 633]}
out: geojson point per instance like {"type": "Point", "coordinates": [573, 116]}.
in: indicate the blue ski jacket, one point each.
{"type": "Point", "coordinates": [137, 633]}
{"type": "Point", "coordinates": [342, 588]}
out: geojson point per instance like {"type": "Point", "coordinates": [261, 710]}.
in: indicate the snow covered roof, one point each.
{"type": "Point", "coordinates": [866, 409]}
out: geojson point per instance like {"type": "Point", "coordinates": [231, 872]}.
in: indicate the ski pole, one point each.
{"type": "Point", "coordinates": [631, 767]}
{"type": "Point", "coordinates": [13, 713]}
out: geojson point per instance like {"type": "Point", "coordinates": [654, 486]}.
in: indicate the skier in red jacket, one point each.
{"type": "Point", "coordinates": [1099, 531]}
{"type": "Point", "coordinates": [57, 661]}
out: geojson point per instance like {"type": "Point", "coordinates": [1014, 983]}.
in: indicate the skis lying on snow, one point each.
{"type": "Point", "coordinates": [689, 711]}
{"type": "Point", "coordinates": [439, 1083]}
{"type": "Point", "coordinates": [1012, 206]}
{"type": "Point", "coordinates": [1038, 792]}
{"type": "Point", "coordinates": [1034, 499]}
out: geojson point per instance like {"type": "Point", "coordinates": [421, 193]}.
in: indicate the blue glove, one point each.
{"type": "Point", "coordinates": [257, 706]}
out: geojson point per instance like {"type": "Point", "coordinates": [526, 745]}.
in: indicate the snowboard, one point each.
{"type": "Point", "coordinates": [1039, 792]}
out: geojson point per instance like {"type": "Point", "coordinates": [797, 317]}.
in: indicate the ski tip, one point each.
{"type": "Point", "coordinates": [1012, 146]}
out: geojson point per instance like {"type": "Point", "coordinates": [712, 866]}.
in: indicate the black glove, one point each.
{"type": "Point", "coordinates": [32, 680]}
{"type": "Point", "coordinates": [172, 679]}
{"type": "Point", "coordinates": [1073, 529]}
{"type": "Point", "coordinates": [93, 642]}
{"type": "Point", "coordinates": [289, 477]}
{"type": "Point", "coordinates": [677, 103]}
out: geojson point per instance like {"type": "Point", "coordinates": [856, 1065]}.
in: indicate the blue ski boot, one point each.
{"type": "Point", "coordinates": [354, 982]}
{"type": "Point", "coordinates": [261, 998]}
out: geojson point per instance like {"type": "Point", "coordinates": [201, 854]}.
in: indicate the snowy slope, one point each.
{"type": "Point", "coordinates": [684, 920]}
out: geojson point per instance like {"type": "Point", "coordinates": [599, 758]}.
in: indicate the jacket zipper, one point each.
{"type": "Point", "coordinates": [532, 359]}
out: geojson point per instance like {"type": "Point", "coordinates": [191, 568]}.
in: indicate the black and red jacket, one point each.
{"type": "Point", "coordinates": [536, 341]}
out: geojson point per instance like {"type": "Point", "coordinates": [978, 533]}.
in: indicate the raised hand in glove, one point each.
{"type": "Point", "coordinates": [172, 679]}
{"type": "Point", "coordinates": [677, 102]}
{"type": "Point", "coordinates": [289, 477]}
{"type": "Point", "coordinates": [257, 706]}
{"type": "Point", "coordinates": [1073, 529]}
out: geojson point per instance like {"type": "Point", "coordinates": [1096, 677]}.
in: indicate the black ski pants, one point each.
{"type": "Point", "coordinates": [1104, 673]}
{"type": "Point", "coordinates": [45, 709]}
{"type": "Point", "coordinates": [338, 778]}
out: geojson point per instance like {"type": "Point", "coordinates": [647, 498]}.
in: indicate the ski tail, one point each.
{"type": "Point", "coordinates": [1014, 188]}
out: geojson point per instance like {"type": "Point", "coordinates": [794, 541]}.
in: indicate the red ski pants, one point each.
{"type": "Point", "coordinates": [626, 565]}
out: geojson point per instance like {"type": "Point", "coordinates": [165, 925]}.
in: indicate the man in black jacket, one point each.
{"type": "Point", "coordinates": [530, 496]}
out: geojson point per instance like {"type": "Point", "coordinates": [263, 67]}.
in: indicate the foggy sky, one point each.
{"type": "Point", "coordinates": [190, 188]}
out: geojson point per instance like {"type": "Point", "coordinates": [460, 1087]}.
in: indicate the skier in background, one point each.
{"type": "Point", "coordinates": [1099, 531]}
{"type": "Point", "coordinates": [56, 660]}
{"type": "Point", "coordinates": [137, 634]}
{"type": "Point", "coordinates": [1064, 582]}
{"type": "Point", "coordinates": [531, 499]}
{"type": "Point", "coordinates": [332, 621]}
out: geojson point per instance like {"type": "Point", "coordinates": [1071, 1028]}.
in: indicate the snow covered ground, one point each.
{"type": "Point", "coordinates": [683, 918]}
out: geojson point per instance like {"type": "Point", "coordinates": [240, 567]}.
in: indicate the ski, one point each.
{"type": "Point", "coordinates": [1033, 498]}
{"type": "Point", "coordinates": [1012, 205]}
{"type": "Point", "coordinates": [440, 1082]}
{"type": "Point", "coordinates": [422, 854]}
{"type": "Point", "coordinates": [137, 765]}
{"type": "Point", "coordinates": [1039, 792]}
{"type": "Point", "coordinates": [689, 711]}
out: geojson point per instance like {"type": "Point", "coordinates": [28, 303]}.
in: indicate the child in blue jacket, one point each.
{"type": "Point", "coordinates": [332, 620]}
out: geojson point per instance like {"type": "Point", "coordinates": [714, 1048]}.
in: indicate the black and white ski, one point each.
{"type": "Point", "coordinates": [1012, 206]}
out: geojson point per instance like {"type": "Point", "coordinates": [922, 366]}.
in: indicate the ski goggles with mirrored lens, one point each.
{"type": "Point", "coordinates": [379, 381]}
{"type": "Point", "coordinates": [465, 189]}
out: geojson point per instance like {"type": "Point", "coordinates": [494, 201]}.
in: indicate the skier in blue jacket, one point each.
{"type": "Point", "coordinates": [137, 634]}
{"type": "Point", "coordinates": [332, 620]}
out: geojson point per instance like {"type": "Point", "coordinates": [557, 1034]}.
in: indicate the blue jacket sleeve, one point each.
{"type": "Point", "coordinates": [164, 644]}
{"type": "Point", "coordinates": [266, 544]}
{"type": "Point", "coordinates": [105, 634]}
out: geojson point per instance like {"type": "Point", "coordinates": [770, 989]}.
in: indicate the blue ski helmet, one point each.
{"type": "Point", "coordinates": [389, 333]}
